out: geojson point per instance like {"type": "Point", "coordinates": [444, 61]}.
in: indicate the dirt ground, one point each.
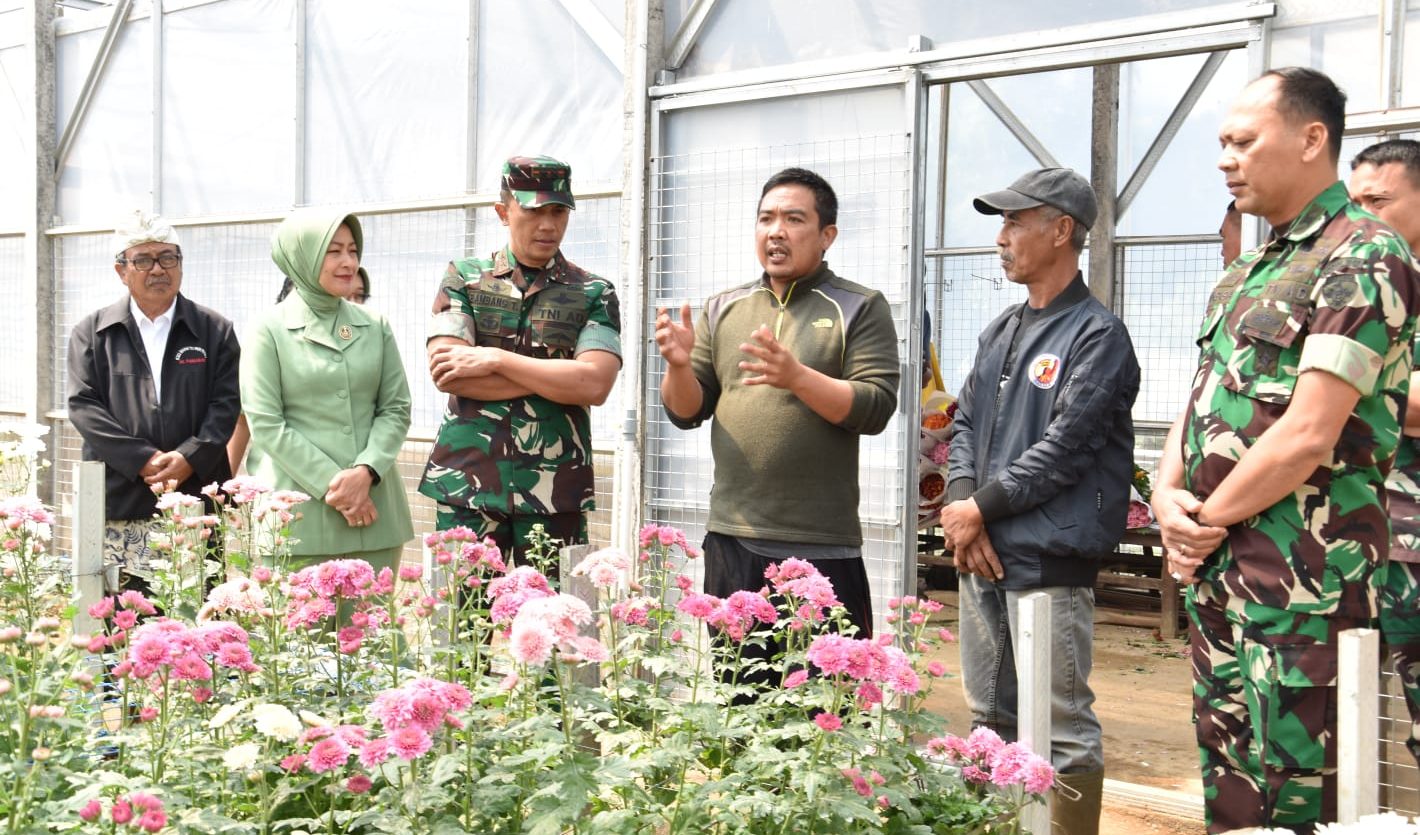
{"type": "Point", "coordinates": [1142, 685]}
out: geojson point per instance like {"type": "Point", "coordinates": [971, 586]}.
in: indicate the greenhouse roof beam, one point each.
{"type": "Point", "coordinates": [91, 83]}
{"type": "Point", "coordinates": [1013, 123]}
{"type": "Point", "coordinates": [1169, 130]}
{"type": "Point", "coordinates": [600, 30]}
{"type": "Point", "coordinates": [688, 32]}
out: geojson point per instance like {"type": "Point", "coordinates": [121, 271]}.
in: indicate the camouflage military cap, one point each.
{"type": "Point", "coordinates": [537, 181]}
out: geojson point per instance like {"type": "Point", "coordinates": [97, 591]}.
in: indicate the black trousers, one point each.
{"type": "Point", "coordinates": [730, 567]}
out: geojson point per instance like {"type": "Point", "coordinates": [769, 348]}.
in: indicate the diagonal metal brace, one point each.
{"type": "Point", "coordinates": [1169, 131]}
{"type": "Point", "coordinates": [1013, 123]}
{"type": "Point", "coordinates": [91, 83]}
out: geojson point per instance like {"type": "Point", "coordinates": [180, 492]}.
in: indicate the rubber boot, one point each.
{"type": "Point", "coordinates": [1081, 815]}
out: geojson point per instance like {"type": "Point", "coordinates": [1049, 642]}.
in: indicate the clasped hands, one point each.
{"type": "Point", "coordinates": [1187, 542]}
{"type": "Point", "coordinates": [964, 531]}
{"type": "Point", "coordinates": [349, 493]}
{"type": "Point", "coordinates": [166, 468]}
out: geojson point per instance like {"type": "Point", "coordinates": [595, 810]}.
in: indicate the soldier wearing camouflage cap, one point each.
{"type": "Point", "coordinates": [1270, 493]}
{"type": "Point", "coordinates": [524, 342]}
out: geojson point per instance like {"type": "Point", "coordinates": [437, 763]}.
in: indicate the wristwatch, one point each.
{"type": "Point", "coordinates": [374, 476]}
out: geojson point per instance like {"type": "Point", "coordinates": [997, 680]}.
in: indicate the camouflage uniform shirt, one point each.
{"type": "Point", "coordinates": [1335, 292]}
{"type": "Point", "coordinates": [527, 455]}
{"type": "Point", "coordinates": [1402, 488]}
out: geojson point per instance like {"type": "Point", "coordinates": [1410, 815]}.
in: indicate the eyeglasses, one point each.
{"type": "Point", "coordinates": [144, 263]}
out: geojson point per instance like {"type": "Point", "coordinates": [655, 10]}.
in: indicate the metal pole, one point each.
{"type": "Point", "coordinates": [915, 94]}
{"type": "Point", "coordinates": [298, 197]}
{"type": "Point", "coordinates": [1033, 689]}
{"type": "Point", "coordinates": [1392, 52]}
{"type": "Point", "coordinates": [38, 247]}
{"type": "Point", "coordinates": [644, 36]}
{"type": "Point", "coordinates": [158, 46]}
{"type": "Point", "coordinates": [1104, 168]}
{"type": "Point", "coordinates": [470, 215]}
{"type": "Point", "coordinates": [88, 559]}
{"type": "Point", "coordinates": [1358, 725]}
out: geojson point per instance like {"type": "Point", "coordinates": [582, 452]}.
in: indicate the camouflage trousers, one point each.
{"type": "Point", "coordinates": [1264, 702]}
{"type": "Point", "coordinates": [1399, 584]}
{"type": "Point", "coordinates": [510, 531]}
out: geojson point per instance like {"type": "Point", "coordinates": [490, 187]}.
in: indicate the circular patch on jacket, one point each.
{"type": "Point", "coordinates": [1044, 371]}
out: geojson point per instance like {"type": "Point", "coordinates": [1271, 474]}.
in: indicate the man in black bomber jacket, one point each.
{"type": "Point", "coordinates": [1040, 469]}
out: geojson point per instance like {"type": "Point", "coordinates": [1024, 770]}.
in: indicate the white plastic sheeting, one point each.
{"type": "Point", "coordinates": [745, 34]}
{"type": "Point", "coordinates": [386, 100]}
{"type": "Point", "coordinates": [709, 172]}
{"type": "Point", "coordinates": [16, 147]}
{"type": "Point", "coordinates": [228, 98]}
{"type": "Point", "coordinates": [110, 167]}
{"type": "Point", "coordinates": [386, 116]}
{"type": "Point", "coordinates": [544, 86]}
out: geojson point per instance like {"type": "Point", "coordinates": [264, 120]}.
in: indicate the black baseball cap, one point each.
{"type": "Point", "coordinates": [1062, 188]}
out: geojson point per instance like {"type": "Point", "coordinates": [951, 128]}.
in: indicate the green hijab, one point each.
{"type": "Point", "coordinates": [298, 247]}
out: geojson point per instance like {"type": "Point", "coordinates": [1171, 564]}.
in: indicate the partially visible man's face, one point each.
{"type": "Point", "coordinates": [154, 289]}
{"type": "Point", "coordinates": [787, 237]}
{"type": "Point", "coordinates": [534, 234]}
{"type": "Point", "coordinates": [1026, 242]}
{"type": "Point", "coordinates": [1390, 193]}
{"type": "Point", "coordinates": [1231, 232]}
{"type": "Point", "coordinates": [1262, 152]}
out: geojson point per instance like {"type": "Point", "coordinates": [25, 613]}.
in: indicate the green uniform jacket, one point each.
{"type": "Point", "coordinates": [1336, 292]}
{"type": "Point", "coordinates": [322, 397]}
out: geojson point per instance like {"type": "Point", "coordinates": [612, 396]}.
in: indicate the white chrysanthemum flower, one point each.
{"type": "Point", "coordinates": [276, 721]}
{"type": "Point", "coordinates": [315, 720]}
{"type": "Point", "coordinates": [225, 714]}
{"type": "Point", "coordinates": [241, 757]}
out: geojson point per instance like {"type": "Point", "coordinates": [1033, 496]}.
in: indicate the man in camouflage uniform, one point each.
{"type": "Point", "coordinates": [1269, 492]}
{"type": "Point", "coordinates": [1385, 180]}
{"type": "Point", "coordinates": [523, 341]}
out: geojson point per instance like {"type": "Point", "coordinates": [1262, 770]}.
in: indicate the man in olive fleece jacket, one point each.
{"type": "Point", "coordinates": [793, 367]}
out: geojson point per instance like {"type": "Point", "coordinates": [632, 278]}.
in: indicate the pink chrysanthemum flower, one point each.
{"type": "Point", "coordinates": [410, 743]}
{"type": "Point", "coordinates": [328, 754]}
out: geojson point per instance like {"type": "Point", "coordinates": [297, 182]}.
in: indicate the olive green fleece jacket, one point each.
{"type": "Point", "coordinates": [782, 472]}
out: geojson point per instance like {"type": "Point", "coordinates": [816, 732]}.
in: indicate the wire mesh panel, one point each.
{"type": "Point", "coordinates": [1399, 778]}
{"type": "Point", "coordinates": [702, 234]}
{"type": "Point", "coordinates": [15, 374]}
{"type": "Point", "coordinates": [228, 267]}
{"type": "Point", "coordinates": [1163, 289]}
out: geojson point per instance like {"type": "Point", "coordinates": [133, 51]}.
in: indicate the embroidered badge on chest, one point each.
{"type": "Point", "coordinates": [1044, 371]}
{"type": "Point", "coordinates": [1339, 291]}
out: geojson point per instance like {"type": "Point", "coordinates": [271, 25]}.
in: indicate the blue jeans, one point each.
{"type": "Point", "coordinates": [988, 634]}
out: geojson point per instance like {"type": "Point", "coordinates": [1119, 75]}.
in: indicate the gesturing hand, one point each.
{"type": "Point", "coordinates": [772, 364]}
{"type": "Point", "coordinates": [675, 339]}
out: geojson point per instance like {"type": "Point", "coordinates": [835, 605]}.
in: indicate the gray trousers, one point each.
{"type": "Point", "coordinates": [988, 636]}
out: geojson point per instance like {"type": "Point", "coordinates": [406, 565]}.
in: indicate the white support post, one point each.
{"type": "Point", "coordinates": [1033, 694]}
{"type": "Point", "coordinates": [1358, 725]}
{"type": "Point", "coordinates": [437, 577]}
{"type": "Point", "coordinates": [88, 557]}
{"type": "Point", "coordinates": [579, 587]}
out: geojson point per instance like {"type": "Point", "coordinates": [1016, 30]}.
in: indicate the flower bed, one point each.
{"type": "Point", "coordinates": [480, 699]}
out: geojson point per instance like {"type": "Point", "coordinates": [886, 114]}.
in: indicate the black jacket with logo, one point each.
{"type": "Point", "coordinates": [1049, 442]}
{"type": "Point", "coordinates": [113, 405]}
